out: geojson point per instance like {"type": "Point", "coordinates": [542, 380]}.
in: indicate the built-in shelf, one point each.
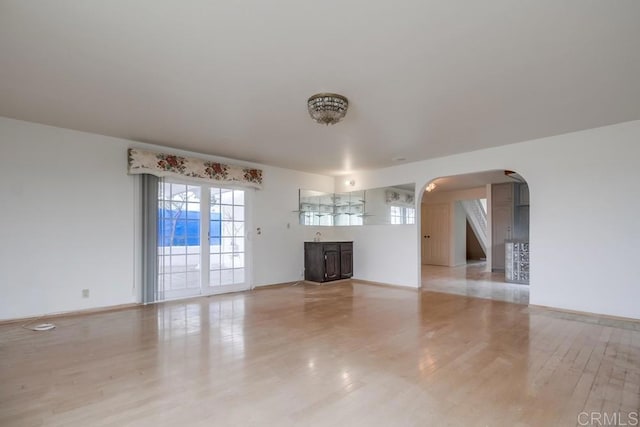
{"type": "Point", "coordinates": [354, 208]}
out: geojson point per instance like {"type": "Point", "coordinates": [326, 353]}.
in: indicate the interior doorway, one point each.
{"type": "Point", "coordinates": [475, 236]}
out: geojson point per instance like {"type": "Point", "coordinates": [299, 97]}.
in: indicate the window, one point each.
{"type": "Point", "coordinates": [402, 215]}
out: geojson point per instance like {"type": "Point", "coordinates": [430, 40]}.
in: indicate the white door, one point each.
{"type": "Point", "coordinates": [435, 234]}
{"type": "Point", "coordinates": [201, 240]}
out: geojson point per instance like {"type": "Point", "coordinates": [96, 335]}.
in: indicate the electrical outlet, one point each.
{"type": "Point", "coordinates": [85, 293]}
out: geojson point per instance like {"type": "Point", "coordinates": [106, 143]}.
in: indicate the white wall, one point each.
{"type": "Point", "coordinates": [584, 223]}
{"type": "Point", "coordinates": [69, 221]}
{"type": "Point", "coordinates": [372, 261]}
{"type": "Point", "coordinates": [278, 253]}
{"type": "Point", "coordinates": [57, 184]}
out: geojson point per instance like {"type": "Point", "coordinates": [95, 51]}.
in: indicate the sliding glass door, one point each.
{"type": "Point", "coordinates": [201, 240]}
{"type": "Point", "coordinates": [227, 243]}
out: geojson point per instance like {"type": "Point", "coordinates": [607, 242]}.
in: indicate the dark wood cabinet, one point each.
{"type": "Point", "coordinates": [326, 261]}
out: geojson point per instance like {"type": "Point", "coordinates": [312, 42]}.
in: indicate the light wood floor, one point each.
{"type": "Point", "coordinates": [335, 355]}
{"type": "Point", "coordinates": [472, 280]}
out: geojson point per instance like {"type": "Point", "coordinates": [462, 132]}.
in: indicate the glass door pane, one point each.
{"type": "Point", "coordinates": [227, 239]}
{"type": "Point", "coordinates": [179, 249]}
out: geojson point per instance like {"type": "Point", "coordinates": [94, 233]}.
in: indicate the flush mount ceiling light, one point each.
{"type": "Point", "coordinates": [327, 108]}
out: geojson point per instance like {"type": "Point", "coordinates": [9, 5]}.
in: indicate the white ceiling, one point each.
{"type": "Point", "coordinates": [424, 78]}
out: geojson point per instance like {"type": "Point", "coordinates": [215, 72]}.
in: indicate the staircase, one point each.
{"type": "Point", "coordinates": [477, 217]}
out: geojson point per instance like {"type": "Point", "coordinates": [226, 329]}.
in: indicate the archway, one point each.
{"type": "Point", "coordinates": [474, 235]}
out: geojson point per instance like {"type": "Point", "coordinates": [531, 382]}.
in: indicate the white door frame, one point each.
{"type": "Point", "coordinates": [205, 220]}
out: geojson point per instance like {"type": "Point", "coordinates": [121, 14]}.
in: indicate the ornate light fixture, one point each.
{"type": "Point", "coordinates": [327, 108]}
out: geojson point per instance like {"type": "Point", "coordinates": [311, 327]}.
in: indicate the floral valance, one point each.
{"type": "Point", "coordinates": [400, 198]}
{"type": "Point", "coordinates": [160, 164]}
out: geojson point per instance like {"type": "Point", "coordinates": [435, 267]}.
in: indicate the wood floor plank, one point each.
{"type": "Point", "coordinates": [337, 354]}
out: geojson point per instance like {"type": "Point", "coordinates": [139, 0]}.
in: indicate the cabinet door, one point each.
{"type": "Point", "coordinates": [313, 262]}
{"type": "Point", "coordinates": [331, 264]}
{"type": "Point", "coordinates": [346, 263]}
